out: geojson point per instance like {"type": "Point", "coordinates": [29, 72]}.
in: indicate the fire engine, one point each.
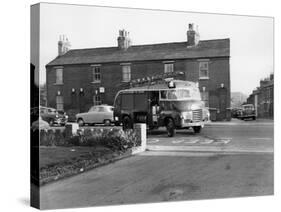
{"type": "Point", "coordinates": [161, 102]}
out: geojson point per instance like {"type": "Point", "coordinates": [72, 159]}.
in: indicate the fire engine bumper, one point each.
{"type": "Point", "coordinates": [190, 123]}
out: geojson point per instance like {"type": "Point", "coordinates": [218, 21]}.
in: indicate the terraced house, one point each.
{"type": "Point", "coordinates": [80, 78]}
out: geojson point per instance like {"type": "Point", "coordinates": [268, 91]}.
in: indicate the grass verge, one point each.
{"type": "Point", "coordinates": [60, 162]}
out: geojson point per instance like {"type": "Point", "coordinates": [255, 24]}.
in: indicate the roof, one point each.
{"type": "Point", "coordinates": [162, 51]}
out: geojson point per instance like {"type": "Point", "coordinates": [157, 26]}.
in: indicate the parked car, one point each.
{"type": "Point", "coordinates": [235, 112]}
{"type": "Point", "coordinates": [99, 114]}
{"type": "Point", "coordinates": [247, 111]}
{"type": "Point", "coordinates": [53, 116]}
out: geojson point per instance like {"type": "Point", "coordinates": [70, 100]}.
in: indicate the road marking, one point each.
{"type": "Point", "coordinates": [222, 140]}
{"type": "Point", "coordinates": [206, 141]}
{"type": "Point", "coordinates": [260, 138]}
{"type": "Point", "coordinates": [193, 141]}
{"type": "Point", "coordinates": [177, 141]}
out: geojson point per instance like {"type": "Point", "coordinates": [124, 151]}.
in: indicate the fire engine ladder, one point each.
{"type": "Point", "coordinates": [159, 78]}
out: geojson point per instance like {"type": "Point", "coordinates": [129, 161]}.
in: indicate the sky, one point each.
{"type": "Point", "coordinates": [251, 38]}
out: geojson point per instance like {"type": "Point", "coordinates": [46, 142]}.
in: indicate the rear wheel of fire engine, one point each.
{"type": "Point", "coordinates": [80, 122]}
{"type": "Point", "coordinates": [127, 123]}
{"type": "Point", "coordinates": [197, 129]}
{"type": "Point", "coordinates": [170, 127]}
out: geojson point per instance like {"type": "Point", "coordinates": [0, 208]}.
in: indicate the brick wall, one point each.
{"type": "Point", "coordinates": [80, 76]}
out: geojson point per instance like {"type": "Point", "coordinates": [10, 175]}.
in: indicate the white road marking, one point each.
{"type": "Point", "coordinates": [260, 138]}
{"type": "Point", "coordinates": [193, 141]}
{"type": "Point", "coordinates": [177, 141]}
{"type": "Point", "coordinates": [206, 141]}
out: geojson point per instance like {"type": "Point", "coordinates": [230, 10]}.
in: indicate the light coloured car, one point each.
{"type": "Point", "coordinates": [99, 114]}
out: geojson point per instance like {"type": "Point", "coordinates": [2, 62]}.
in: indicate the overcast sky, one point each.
{"type": "Point", "coordinates": [251, 38]}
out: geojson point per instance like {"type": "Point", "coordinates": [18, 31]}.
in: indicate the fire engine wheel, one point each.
{"type": "Point", "coordinates": [197, 129]}
{"type": "Point", "coordinates": [127, 123]}
{"type": "Point", "coordinates": [254, 118]}
{"type": "Point", "coordinates": [170, 127]}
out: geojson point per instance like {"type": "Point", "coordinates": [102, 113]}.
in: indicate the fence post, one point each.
{"type": "Point", "coordinates": [71, 129]}
{"type": "Point", "coordinates": [141, 133]}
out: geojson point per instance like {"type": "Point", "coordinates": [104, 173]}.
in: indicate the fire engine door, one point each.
{"type": "Point", "coordinates": [154, 106]}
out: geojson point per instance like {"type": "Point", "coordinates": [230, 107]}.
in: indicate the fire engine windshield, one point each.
{"type": "Point", "coordinates": [180, 94]}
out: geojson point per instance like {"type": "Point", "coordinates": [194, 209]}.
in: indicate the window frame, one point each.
{"type": "Point", "coordinates": [168, 67]}
{"type": "Point", "coordinates": [202, 68]}
{"type": "Point", "coordinates": [126, 71]}
{"type": "Point", "coordinates": [59, 78]}
{"type": "Point", "coordinates": [96, 74]}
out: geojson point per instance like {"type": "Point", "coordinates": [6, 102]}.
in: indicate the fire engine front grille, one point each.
{"type": "Point", "coordinates": [197, 115]}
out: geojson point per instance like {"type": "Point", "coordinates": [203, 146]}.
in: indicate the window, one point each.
{"type": "Point", "coordinates": [59, 102]}
{"type": "Point", "coordinates": [203, 70]}
{"type": "Point", "coordinates": [102, 109]}
{"type": "Point", "coordinates": [181, 94]}
{"type": "Point", "coordinates": [96, 74]}
{"type": "Point", "coordinates": [59, 76]}
{"type": "Point", "coordinates": [96, 100]}
{"type": "Point", "coordinates": [168, 67]}
{"type": "Point", "coordinates": [93, 109]}
{"type": "Point", "coordinates": [126, 73]}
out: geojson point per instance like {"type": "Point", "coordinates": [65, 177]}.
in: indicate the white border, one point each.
{"type": "Point", "coordinates": [15, 59]}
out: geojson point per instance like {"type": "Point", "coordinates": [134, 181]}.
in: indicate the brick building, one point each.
{"type": "Point", "coordinates": [263, 98]}
{"type": "Point", "coordinates": [80, 78]}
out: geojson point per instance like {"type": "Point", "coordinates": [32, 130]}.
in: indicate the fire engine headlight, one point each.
{"type": "Point", "coordinates": [186, 115]}
{"type": "Point", "coordinates": [116, 118]}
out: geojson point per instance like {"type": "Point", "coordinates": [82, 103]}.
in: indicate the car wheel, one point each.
{"type": "Point", "coordinates": [127, 123]}
{"type": "Point", "coordinates": [170, 126]}
{"type": "Point", "coordinates": [107, 122]}
{"type": "Point", "coordinates": [80, 122]}
{"type": "Point", "coordinates": [197, 129]}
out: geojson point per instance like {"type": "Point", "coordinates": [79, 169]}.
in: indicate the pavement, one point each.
{"type": "Point", "coordinates": [222, 161]}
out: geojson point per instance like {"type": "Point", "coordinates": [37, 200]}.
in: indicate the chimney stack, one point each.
{"type": "Point", "coordinates": [193, 36]}
{"type": "Point", "coordinates": [63, 45]}
{"type": "Point", "coordinates": [123, 40]}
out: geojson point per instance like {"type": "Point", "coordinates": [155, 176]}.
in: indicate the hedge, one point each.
{"type": "Point", "coordinates": [114, 138]}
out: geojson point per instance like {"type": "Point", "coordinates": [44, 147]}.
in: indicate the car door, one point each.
{"type": "Point", "coordinates": [101, 114]}
{"type": "Point", "coordinates": [91, 115]}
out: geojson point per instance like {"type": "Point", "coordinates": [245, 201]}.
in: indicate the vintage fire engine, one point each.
{"type": "Point", "coordinates": [172, 103]}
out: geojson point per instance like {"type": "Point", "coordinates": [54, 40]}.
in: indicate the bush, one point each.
{"type": "Point", "coordinates": [114, 138]}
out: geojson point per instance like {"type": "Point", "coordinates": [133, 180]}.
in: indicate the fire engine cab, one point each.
{"type": "Point", "coordinates": [174, 104]}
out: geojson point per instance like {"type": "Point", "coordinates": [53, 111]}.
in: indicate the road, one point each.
{"type": "Point", "coordinates": [229, 160]}
{"type": "Point", "coordinates": [235, 136]}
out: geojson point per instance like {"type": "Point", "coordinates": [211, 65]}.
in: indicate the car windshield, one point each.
{"type": "Point", "coordinates": [180, 94]}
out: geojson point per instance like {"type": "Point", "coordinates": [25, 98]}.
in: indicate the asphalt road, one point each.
{"type": "Point", "coordinates": [177, 171]}
{"type": "Point", "coordinates": [235, 136]}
